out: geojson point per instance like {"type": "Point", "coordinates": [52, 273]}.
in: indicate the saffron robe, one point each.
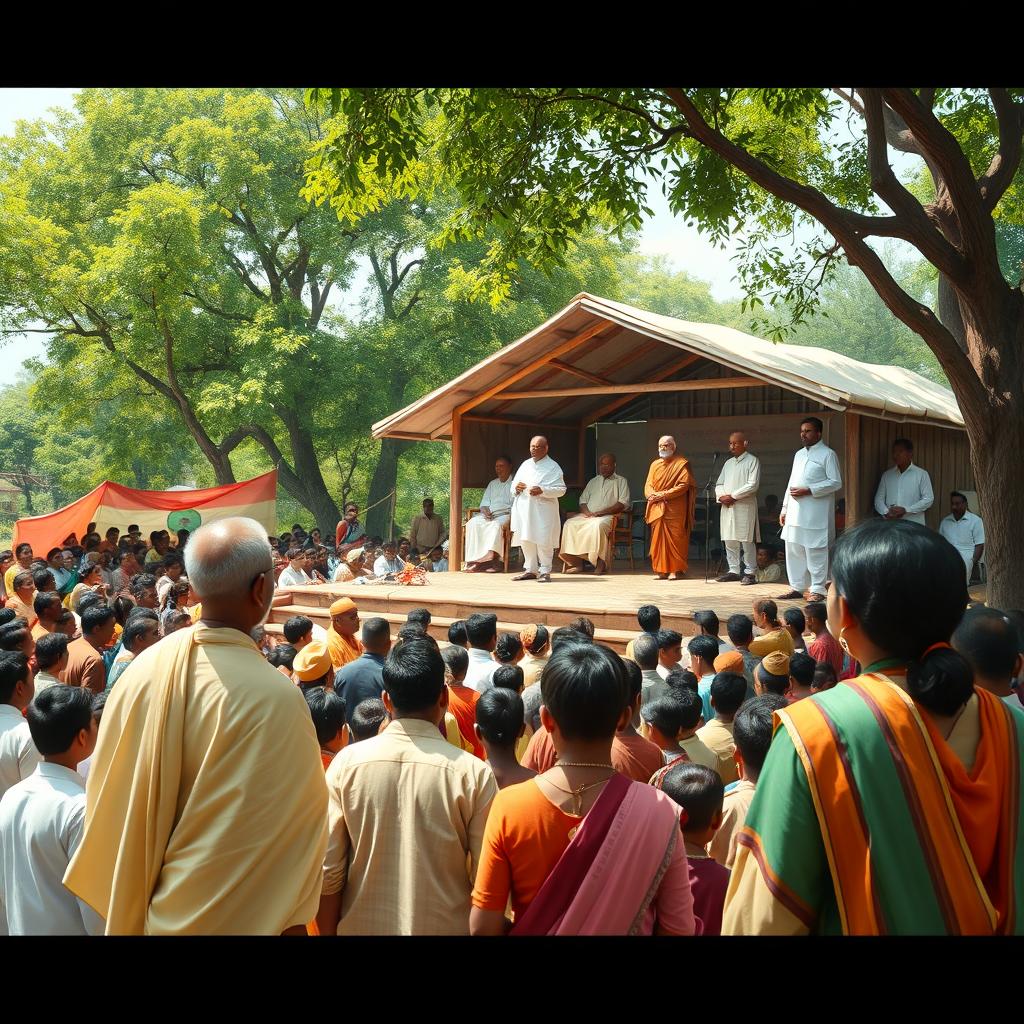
{"type": "Point", "coordinates": [672, 520]}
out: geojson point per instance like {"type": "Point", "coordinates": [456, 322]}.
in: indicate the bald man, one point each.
{"type": "Point", "coordinates": [537, 486]}
{"type": "Point", "coordinates": [206, 806]}
{"type": "Point", "coordinates": [671, 492]}
{"type": "Point", "coordinates": [736, 493]}
{"type": "Point", "coordinates": [588, 535]}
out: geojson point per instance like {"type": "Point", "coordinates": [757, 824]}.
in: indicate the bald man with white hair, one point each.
{"type": "Point", "coordinates": [206, 807]}
{"type": "Point", "coordinates": [537, 485]}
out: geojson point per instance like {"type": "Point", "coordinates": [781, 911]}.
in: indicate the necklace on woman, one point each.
{"type": "Point", "coordinates": [577, 793]}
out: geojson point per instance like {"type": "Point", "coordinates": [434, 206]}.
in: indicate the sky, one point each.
{"type": "Point", "coordinates": [663, 234]}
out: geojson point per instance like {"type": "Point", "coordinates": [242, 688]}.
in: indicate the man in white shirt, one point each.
{"type": "Point", "coordinates": [808, 514]}
{"type": "Point", "coordinates": [536, 524]}
{"type": "Point", "coordinates": [18, 754]}
{"type": "Point", "coordinates": [295, 574]}
{"type": "Point", "coordinates": [484, 542]}
{"type": "Point", "coordinates": [905, 490]}
{"type": "Point", "coordinates": [42, 820]}
{"type": "Point", "coordinates": [388, 564]}
{"type": "Point", "coordinates": [589, 532]}
{"type": "Point", "coordinates": [736, 492]}
{"type": "Point", "coordinates": [482, 635]}
{"type": "Point", "coordinates": [988, 640]}
{"type": "Point", "coordinates": [965, 531]}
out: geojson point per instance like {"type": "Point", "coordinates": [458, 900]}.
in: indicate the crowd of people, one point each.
{"type": "Point", "coordinates": [168, 767]}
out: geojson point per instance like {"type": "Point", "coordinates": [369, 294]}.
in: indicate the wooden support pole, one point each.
{"type": "Point", "coordinates": [851, 479]}
{"type": "Point", "coordinates": [701, 384]}
{"type": "Point", "coordinates": [582, 476]}
{"type": "Point", "coordinates": [455, 498]}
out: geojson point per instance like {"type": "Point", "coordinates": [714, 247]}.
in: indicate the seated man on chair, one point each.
{"type": "Point", "coordinates": [484, 532]}
{"type": "Point", "coordinates": [589, 534]}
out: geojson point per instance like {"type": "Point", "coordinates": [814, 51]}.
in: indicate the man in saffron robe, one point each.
{"type": "Point", "coordinates": [194, 822]}
{"type": "Point", "coordinates": [341, 637]}
{"type": "Point", "coordinates": [671, 492]}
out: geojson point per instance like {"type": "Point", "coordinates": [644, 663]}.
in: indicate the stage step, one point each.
{"type": "Point", "coordinates": [617, 639]}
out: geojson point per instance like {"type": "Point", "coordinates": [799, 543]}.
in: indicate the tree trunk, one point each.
{"type": "Point", "coordinates": [996, 435]}
{"type": "Point", "coordinates": [141, 476]}
{"type": "Point", "coordinates": [385, 477]}
{"type": "Point", "coordinates": [27, 491]}
{"type": "Point", "coordinates": [305, 482]}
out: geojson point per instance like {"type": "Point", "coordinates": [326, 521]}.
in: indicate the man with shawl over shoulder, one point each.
{"type": "Point", "coordinates": [671, 494]}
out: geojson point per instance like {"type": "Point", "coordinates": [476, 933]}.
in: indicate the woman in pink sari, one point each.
{"type": "Point", "coordinates": [580, 849]}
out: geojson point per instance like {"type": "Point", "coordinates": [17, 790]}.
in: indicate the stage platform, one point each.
{"type": "Point", "coordinates": [610, 601]}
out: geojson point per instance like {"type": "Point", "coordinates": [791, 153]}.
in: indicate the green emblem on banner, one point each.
{"type": "Point", "coordinates": [188, 519]}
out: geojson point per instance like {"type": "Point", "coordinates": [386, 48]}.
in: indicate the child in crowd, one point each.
{"type": "Point", "coordinates": [312, 666]}
{"type": "Point", "coordinates": [684, 714]}
{"type": "Point", "coordinates": [462, 699]}
{"type": "Point", "coordinates": [728, 692]}
{"type": "Point", "coordinates": [328, 712]}
{"type": "Point", "coordinates": [670, 651]}
{"type": "Point", "coordinates": [699, 792]}
{"type": "Point", "coordinates": [535, 639]}
{"type": "Point", "coordinates": [508, 650]}
{"type": "Point", "coordinates": [457, 633]}
{"type": "Point", "coordinates": [752, 730]}
{"type": "Point", "coordinates": [582, 625]}
{"type": "Point", "coordinates": [177, 620]}
{"type": "Point", "coordinates": [824, 677]}
{"type": "Point", "coordinates": [369, 717]}
{"type": "Point", "coordinates": [682, 679]}
{"type": "Point", "coordinates": [282, 657]}
{"type": "Point", "coordinates": [772, 675]}
{"type": "Point", "coordinates": [499, 727]}
{"type": "Point", "coordinates": [639, 758]}
{"type": "Point", "coordinates": [509, 676]}
{"type": "Point", "coordinates": [42, 819]}
{"type": "Point", "coordinates": [795, 626]}
{"type": "Point", "coordinates": [801, 676]}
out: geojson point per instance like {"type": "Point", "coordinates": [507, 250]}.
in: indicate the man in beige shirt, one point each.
{"type": "Point", "coordinates": [752, 733]}
{"type": "Point", "coordinates": [728, 692]}
{"type": "Point", "coordinates": [406, 815]}
{"type": "Point", "coordinates": [427, 530]}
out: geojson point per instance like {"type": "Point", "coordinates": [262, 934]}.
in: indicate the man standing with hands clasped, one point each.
{"type": "Point", "coordinates": [808, 513]}
{"type": "Point", "coordinates": [905, 491]}
{"type": "Point", "coordinates": [736, 492]}
{"type": "Point", "coordinates": [536, 526]}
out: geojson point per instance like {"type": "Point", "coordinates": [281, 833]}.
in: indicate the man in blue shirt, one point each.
{"type": "Point", "coordinates": [703, 651]}
{"type": "Point", "coordinates": [363, 678]}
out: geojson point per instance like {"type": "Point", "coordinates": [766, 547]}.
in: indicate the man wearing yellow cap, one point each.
{"type": "Point", "coordinates": [313, 667]}
{"type": "Point", "coordinates": [772, 675]}
{"type": "Point", "coordinates": [341, 637]}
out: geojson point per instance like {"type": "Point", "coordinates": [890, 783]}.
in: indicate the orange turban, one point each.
{"type": "Point", "coordinates": [342, 605]}
{"type": "Point", "coordinates": [312, 662]}
{"type": "Point", "coordinates": [730, 661]}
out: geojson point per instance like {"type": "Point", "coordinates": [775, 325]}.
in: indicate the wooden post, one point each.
{"type": "Point", "coordinates": [582, 454]}
{"type": "Point", "coordinates": [455, 498]}
{"type": "Point", "coordinates": [851, 479]}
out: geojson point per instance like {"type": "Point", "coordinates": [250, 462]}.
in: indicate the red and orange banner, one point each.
{"type": "Point", "coordinates": [112, 504]}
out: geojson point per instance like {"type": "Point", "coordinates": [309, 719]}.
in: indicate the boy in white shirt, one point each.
{"type": "Point", "coordinates": [42, 820]}
{"type": "Point", "coordinates": [18, 754]}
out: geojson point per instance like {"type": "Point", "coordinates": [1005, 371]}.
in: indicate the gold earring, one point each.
{"type": "Point", "coordinates": [842, 641]}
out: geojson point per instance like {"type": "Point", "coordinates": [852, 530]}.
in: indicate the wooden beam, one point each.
{"type": "Point", "coordinates": [578, 371]}
{"type": "Point", "coordinates": [558, 350]}
{"type": "Point", "coordinates": [582, 476]}
{"type": "Point", "coordinates": [588, 349]}
{"type": "Point", "coordinates": [701, 384]}
{"type": "Point", "coordinates": [666, 371]}
{"type": "Point", "coordinates": [851, 480]}
{"type": "Point", "coordinates": [455, 498]}
{"type": "Point", "coordinates": [512, 421]}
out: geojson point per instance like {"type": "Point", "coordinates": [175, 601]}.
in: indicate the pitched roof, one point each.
{"type": "Point", "coordinates": [625, 345]}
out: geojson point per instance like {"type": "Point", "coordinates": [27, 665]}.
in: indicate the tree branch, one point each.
{"type": "Point", "coordinates": [1003, 168]}
{"type": "Point", "coordinates": [243, 273]}
{"type": "Point", "coordinates": [405, 270]}
{"type": "Point", "coordinates": [210, 308]}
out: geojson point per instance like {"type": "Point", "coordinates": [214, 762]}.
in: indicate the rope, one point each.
{"type": "Point", "coordinates": [387, 497]}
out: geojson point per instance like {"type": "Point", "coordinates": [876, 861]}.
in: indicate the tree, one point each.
{"type": "Point", "coordinates": [19, 439]}
{"type": "Point", "coordinates": [159, 238]}
{"type": "Point", "coordinates": [536, 166]}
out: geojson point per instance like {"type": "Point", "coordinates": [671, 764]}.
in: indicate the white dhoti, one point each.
{"type": "Point", "coordinates": [484, 537]}
{"type": "Point", "coordinates": [588, 537]}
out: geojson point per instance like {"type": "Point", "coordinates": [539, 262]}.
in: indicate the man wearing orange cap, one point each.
{"type": "Point", "coordinates": [313, 667]}
{"type": "Point", "coordinates": [341, 637]}
{"type": "Point", "coordinates": [772, 675]}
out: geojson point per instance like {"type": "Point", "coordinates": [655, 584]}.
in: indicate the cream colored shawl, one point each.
{"type": "Point", "coordinates": [206, 806]}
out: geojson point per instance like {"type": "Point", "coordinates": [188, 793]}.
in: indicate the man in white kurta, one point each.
{"type": "Point", "coordinates": [965, 531]}
{"type": "Point", "coordinates": [589, 534]}
{"type": "Point", "coordinates": [537, 486]}
{"type": "Point", "coordinates": [484, 531]}
{"type": "Point", "coordinates": [809, 514]}
{"type": "Point", "coordinates": [736, 493]}
{"type": "Point", "coordinates": [905, 491]}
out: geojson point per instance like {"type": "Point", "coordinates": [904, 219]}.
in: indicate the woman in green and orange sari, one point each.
{"type": "Point", "coordinates": [890, 804]}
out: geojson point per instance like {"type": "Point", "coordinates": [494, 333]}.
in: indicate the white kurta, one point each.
{"type": "Point", "coordinates": [484, 535]}
{"type": "Point", "coordinates": [535, 517]}
{"type": "Point", "coordinates": [740, 477]}
{"type": "Point", "coordinates": [911, 489]}
{"type": "Point", "coordinates": [591, 537]}
{"type": "Point", "coordinates": [810, 521]}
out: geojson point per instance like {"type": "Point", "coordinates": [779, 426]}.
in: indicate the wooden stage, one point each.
{"type": "Point", "coordinates": [610, 601]}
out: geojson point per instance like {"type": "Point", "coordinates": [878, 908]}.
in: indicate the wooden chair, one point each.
{"type": "Point", "coordinates": [506, 537]}
{"type": "Point", "coordinates": [622, 533]}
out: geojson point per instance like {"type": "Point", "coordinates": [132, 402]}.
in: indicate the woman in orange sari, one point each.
{"type": "Point", "coordinates": [889, 804]}
{"type": "Point", "coordinates": [671, 492]}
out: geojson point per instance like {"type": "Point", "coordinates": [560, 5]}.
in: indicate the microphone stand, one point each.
{"type": "Point", "coordinates": [707, 518]}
